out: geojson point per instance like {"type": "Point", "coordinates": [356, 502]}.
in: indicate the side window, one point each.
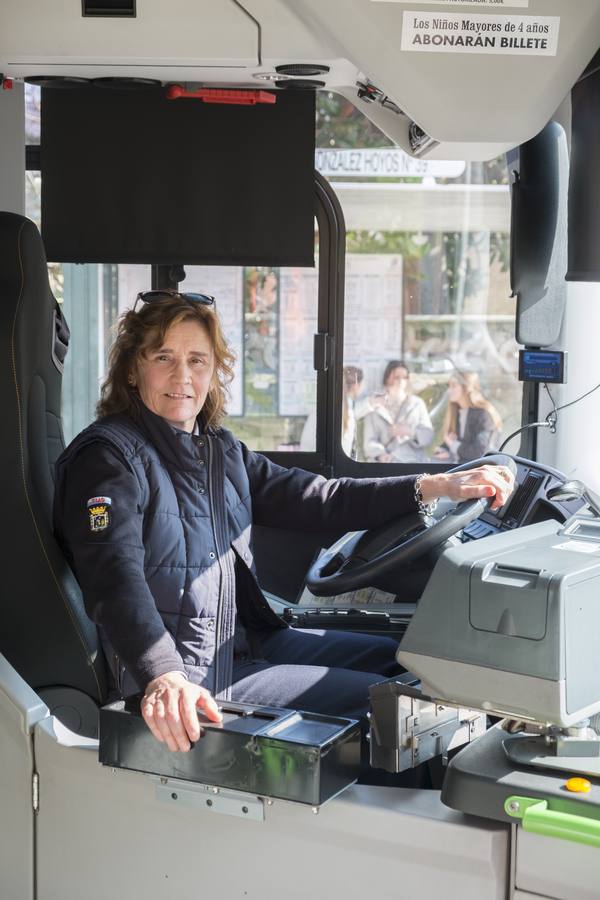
{"type": "Point", "coordinates": [430, 359]}
{"type": "Point", "coordinates": [269, 315]}
{"type": "Point", "coordinates": [92, 295]}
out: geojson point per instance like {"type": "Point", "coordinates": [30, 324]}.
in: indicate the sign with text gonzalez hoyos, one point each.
{"type": "Point", "coordinates": [389, 162]}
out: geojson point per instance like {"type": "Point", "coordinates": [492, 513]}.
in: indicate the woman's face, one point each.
{"type": "Point", "coordinates": [397, 380]}
{"type": "Point", "coordinates": [354, 389]}
{"type": "Point", "coordinates": [456, 391]}
{"type": "Point", "coordinates": [173, 380]}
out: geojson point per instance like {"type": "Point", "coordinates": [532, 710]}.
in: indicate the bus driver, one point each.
{"type": "Point", "coordinates": [155, 502]}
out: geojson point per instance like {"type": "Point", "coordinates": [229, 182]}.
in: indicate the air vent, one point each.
{"type": "Point", "coordinates": [522, 498]}
{"type": "Point", "coordinates": [117, 9]}
{"type": "Point", "coordinates": [300, 84]}
{"type": "Point", "coordinates": [302, 70]}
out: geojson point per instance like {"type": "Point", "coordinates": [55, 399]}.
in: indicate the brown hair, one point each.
{"type": "Point", "coordinates": [393, 364]}
{"type": "Point", "coordinates": [139, 332]}
{"type": "Point", "coordinates": [472, 388]}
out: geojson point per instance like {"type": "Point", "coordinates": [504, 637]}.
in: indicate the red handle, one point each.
{"type": "Point", "coordinates": [222, 95]}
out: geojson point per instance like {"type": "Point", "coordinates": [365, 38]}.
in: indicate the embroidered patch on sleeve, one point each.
{"type": "Point", "coordinates": [98, 509]}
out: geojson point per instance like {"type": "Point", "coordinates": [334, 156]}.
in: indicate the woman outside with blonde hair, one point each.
{"type": "Point", "coordinates": [471, 423]}
{"type": "Point", "coordinates": [154, 507]}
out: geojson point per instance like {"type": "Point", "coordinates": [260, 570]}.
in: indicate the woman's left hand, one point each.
{"type": "Point", "coordinates": [484, 481]}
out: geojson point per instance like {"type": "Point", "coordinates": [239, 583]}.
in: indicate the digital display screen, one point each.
{"type": "Point", "coordinates": [543, 366]}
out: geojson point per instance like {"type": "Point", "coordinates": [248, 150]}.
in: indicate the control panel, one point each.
{"type": "Point", "coordinates": [528, 504]}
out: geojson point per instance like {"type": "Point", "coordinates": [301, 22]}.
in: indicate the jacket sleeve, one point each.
{"type": "Point", "coordinates": [479, 431]}
{"type": "Point", "coordinates": [302, 501]}
{"type": "Point", "coordinates": [375, 436]}
{"type": "Point", "coordinates": [423, 435]}
{"type": "Point", "coordinates": [109, 563]}
{"type": "Point", "coordinates": [362, 407]}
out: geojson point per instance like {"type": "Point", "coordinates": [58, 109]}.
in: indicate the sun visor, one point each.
{"type": "Point", "coordinates": [132, 177]}
{"type": "Point", "coordinates": [538, 236]}
{"type": "Point", "coordinates": [584, 183]}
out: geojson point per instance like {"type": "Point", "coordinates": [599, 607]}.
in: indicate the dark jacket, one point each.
{"type": "Point", "coordinates": [478, 435]}
{"type": "Point", "coordinates": [155, 522]}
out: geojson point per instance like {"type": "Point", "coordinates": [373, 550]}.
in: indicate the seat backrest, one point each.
{"type": "Point", "coordinates": [44, 631]}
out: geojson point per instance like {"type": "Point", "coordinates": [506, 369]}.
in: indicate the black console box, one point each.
{"type": "Point", "coordinates": [269, 752]}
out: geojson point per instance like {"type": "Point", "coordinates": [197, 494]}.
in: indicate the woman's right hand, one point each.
{"type": "Point", "coordinates": [169, 708]}
{"type": "Point", "coordinates": [487, 481]}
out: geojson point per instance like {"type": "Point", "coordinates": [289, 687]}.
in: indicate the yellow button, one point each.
{"type": "Point", "coordinates": [578, 785]}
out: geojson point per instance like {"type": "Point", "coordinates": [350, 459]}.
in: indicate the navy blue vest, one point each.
{"type": "Point", "coordinates": [197, 514]}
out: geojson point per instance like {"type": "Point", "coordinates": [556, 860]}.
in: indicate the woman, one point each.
{"type": "Point", "coordinates": [400, 429]}
{"type": "Point", "coordinates": [471, 423]}
{"type": "Point", "coordinates": [353, 409]}
{"type": "Point", "coordinates": [154, 507]}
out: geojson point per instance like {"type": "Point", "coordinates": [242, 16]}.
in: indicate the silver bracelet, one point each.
{"type": "Point", "coordinates": [427, 508]}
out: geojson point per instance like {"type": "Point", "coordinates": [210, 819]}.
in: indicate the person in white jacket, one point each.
{"type": "Point", "coordinates": [354, 408]}
{"type": "Point", "coordinates": [398, 430]}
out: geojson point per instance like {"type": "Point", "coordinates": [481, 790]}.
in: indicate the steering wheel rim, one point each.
{"type": "Point", "coordinates": [336, 570]}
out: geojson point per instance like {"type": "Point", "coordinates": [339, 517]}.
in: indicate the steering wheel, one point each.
{"type": "Point", "coordinates": [361, 557]}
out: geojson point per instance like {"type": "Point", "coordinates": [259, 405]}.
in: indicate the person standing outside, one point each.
{"type": "Point", "coordinates": [398, 430]}
{"type": "Point", "coordinates": [471, 424]}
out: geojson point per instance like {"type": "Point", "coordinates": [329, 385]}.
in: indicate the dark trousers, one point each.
{"type": "Point", "coordinates": [317, 671]}
{"type": "Point", "coordinates": [325, 672]}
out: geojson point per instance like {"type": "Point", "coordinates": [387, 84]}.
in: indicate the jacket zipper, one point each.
{"type": "Point", "coordinates": [218, 550]}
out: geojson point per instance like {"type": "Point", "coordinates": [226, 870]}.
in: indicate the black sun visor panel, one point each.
{"type": "Point", "coordinates": [131, 177]}
{"type": "Point", "coordinates": [584, 183]}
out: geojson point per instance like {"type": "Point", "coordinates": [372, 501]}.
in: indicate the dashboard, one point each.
{"type": "Point", "coordinates": [529, 503]}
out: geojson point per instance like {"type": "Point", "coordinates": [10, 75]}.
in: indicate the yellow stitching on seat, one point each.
{"type": "Point", "coordinates": [22, 457]}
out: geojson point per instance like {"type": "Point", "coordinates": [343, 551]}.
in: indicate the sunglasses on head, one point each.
{"type": "Point", "coordinates": [157, 296]}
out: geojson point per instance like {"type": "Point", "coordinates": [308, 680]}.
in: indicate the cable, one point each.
{"type": "Point", "coordinates": [523, 428]}
{"type": "Point", "coordinates": [551, 419]}
{"type": "Point", "coordinates": [573, 402]}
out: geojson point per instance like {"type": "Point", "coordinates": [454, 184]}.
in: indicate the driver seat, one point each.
{"type": "Point", "coordinates": [45, 633]}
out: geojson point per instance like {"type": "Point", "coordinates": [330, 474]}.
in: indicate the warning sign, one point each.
{"type": "Point", "coordinates": [480, 33]}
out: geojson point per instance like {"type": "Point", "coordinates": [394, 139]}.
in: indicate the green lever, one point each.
{"type": "Point", "coordinates": [539, 819]}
